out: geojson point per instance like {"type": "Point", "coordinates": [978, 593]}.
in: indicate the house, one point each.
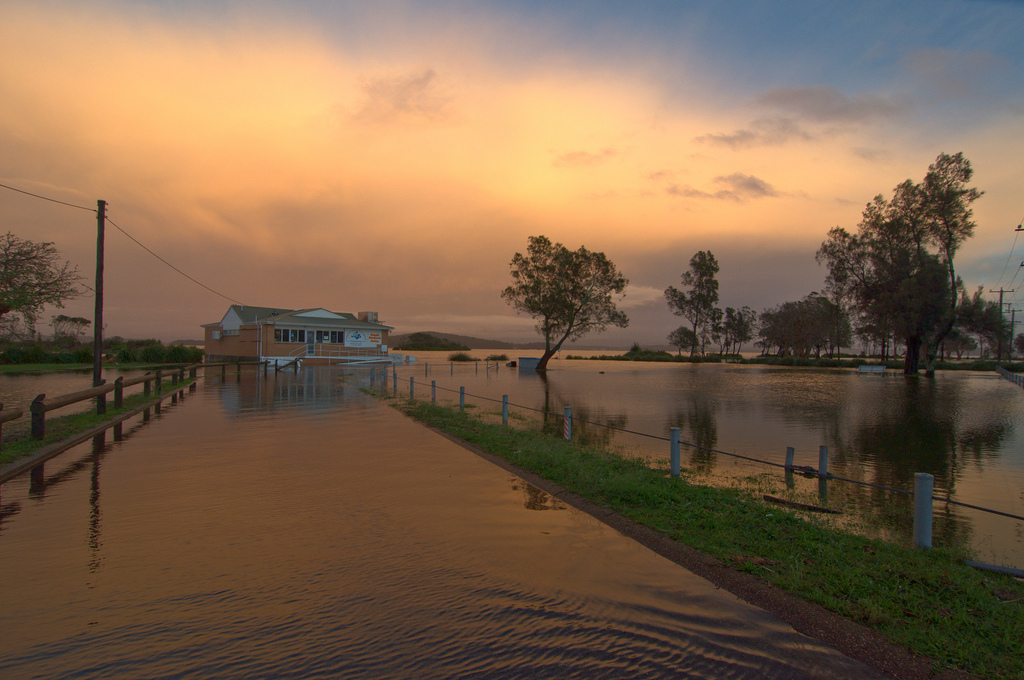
{"type": "Point", "coordinates": [314, 336]}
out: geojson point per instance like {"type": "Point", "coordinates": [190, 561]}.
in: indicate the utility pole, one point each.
{"type": "Point", "coordinates": [999, 355]}
{"type": "Point", "coordinates": [1013, 325]}
{"type": "Point", "coordinates": [97, 322]}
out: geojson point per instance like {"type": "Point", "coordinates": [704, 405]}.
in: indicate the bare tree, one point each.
{"type": "Point", "coordinates": [32, 276]}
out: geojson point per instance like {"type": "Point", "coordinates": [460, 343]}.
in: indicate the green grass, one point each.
{"type": "Point", "coordinates": [926, 601]}
{"type": "Point", "coordinates": [59, 428]}
{"type": "Point", "coordinates": [15, 369]}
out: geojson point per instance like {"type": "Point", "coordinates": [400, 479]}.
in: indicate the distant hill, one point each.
{"type": "Point", "coordinates": [467, 340]}
{"type": "Point", "coordinates": [482, 343]}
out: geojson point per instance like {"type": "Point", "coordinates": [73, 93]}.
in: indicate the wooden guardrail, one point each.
{"type": "Point", "coordinates": [150, 381]}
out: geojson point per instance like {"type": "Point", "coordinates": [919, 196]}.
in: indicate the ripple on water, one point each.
{"type": "Point", "coordinates": [264, 531]}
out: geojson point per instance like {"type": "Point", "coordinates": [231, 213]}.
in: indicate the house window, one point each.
{"type": "Point", "coordinates": [334, 337]}
{"type": "Point", "coordinates": [277, 335]}
{"type": "Point", "coordinates": [302, 335]}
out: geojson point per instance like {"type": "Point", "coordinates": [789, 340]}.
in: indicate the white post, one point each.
{"type": "Point", "coordinates": [674, 455]}
{"type": "Point", "coordinates": [567, 423]}
{"type": "Point", "coordinates": [924, 486]}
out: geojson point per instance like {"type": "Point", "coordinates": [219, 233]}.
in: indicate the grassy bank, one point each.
{"type": "Point", "coordinates": [928, 602]}
{"type": "Point", "coordinates": [59, 428]}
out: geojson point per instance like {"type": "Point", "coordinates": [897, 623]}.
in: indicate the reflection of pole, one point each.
{"type": "Point", "coordinates": [97, 322]}
{"type": "Point", "coordinates": [94, 515]}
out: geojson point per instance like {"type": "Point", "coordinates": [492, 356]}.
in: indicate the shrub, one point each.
{"type": "Point", "coordinates": [180, 354]}
{"type": "Point", "coordinates": [497, 357]}
{"type": "Point", "coordinates": [461, 356]}
{"type": "Point", "coordinates": [153, 354]}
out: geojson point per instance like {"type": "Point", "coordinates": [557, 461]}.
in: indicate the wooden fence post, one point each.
{"type": "Point", "coordinates": [101, 400]}
{"type": "Point", "coordinates": [38, 417]}
{"type": "Point", "coordinates": [119, 392]}
{"type": "Point", "coordinates": [157, 381]}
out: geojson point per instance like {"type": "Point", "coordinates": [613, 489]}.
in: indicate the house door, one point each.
{"type": "Point", "coordinates": [310, 346]}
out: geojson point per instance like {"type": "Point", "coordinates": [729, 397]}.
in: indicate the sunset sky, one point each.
{"type": "Point", "coordinates": [393, 156]}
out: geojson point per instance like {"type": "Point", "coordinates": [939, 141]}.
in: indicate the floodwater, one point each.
{"type": "Point", "coordinates": [965, 428]}
{"type": "Point", "coordinates": [293, 527]}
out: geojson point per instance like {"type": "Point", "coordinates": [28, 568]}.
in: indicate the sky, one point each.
{"type": "Point", "coordinates": [394, 156]}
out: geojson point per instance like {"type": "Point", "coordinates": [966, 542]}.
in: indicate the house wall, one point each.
{"type": "Point", "coordinates": [232, 347]}
{"type": "Point", "coordinates": [245, 345]}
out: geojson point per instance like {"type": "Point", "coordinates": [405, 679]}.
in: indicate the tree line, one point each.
{"type": "Point", "coordinates": [892, 286]}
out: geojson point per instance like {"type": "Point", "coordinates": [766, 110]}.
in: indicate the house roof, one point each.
{"type": "Point", "coordinates": [315, 316]}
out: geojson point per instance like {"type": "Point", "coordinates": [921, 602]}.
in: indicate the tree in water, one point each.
{"type": "Point", "coordinates": [897, 272]}
{"type": "Point", "coordinates": [569, 292]}
{"type": "Point", "coordinates": [32, 276]}
{"type": "Point", "coordinates": [697, 305]}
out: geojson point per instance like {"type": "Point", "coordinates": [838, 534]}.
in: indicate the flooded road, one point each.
{"type": "Point", "coordinates": [293, 527]}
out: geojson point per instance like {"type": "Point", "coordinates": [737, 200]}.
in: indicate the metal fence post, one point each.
{"type": "Point", "coordinates": [790, 453]}
{"type": "Point", "coordinates": [674, 454]}
{"type": "Point", "coordinates": [924, 486]}
{"type": "Point", "coordinates": [394, 376]}
{"type": "Point", "coordinates": [823, 461]}
{"type": "Point", "coordinates": [433, 391]}
{"type": "Point", "coordinates": [462, 399]}
{"type": "Point", "coordinates": [504, 409]}
{"type": "Point", "coordinates": [567, 423]}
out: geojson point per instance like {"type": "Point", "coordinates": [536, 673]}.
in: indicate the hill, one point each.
{"type": "Point", "coordinates": [482, 343]}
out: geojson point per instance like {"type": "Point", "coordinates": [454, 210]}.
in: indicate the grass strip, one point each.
{"type": "Point", "coordinates": [60, 428]}
{"type": "Point", "coordinates": [926, 601]}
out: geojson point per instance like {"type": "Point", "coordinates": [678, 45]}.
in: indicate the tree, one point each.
{"type": "Point", "coordinates": [569, 292]}
{"type": "Point", "coordinates": [697, 305]}
{"type": "Point", "coordinates": [682, 337]}
{"type": "Point", "coordinates": [982, 318]}
{"type": "Point", "coordinates": [70, 327]}
{"type": "Point", "coordinates": [737, 328]}
{"type": "Point", "coordinates": [32, 276]}
{"type": "Point", "coordinates": [1018, 343]}
{"type": "Point", "coordinates": [897, 272]}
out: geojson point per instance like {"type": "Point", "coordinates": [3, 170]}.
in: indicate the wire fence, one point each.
{"type": "Point", "coordinates": [805, 469]}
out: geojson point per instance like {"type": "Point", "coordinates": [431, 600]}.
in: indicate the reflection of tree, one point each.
{"type": "Point", "coordinates": [699, 427]}
{"type": "Point", "coordinates": [587, 427]}
{"type": "Point", "coordinates": [534, 498]}
{"type": "Point", "coordinates": [916, 429]}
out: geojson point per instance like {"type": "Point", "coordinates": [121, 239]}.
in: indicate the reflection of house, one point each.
{"type": "Point", "coordinates": [282, 335]}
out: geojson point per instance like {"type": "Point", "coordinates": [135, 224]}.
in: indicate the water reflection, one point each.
{"type": "Point", "coordinates": [966, 429]}
{"type": "Point", "coordinates": [296, 528]}
{"type": "Point", "coordinates": [533, 497]}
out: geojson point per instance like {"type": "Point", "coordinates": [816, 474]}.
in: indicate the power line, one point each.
{"type": "Point", "coordinates": [136, 241]}
{"type": "Point", "coordinates": [198, 283]}
{"type": "Point", "coordinates": [47, 198]}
